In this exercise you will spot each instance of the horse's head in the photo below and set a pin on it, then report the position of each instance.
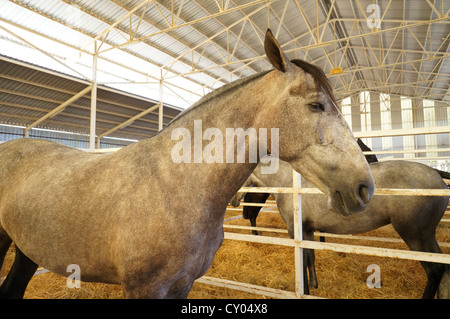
(313, 136)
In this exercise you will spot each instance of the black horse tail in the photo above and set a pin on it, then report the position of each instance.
(245, 212)
(443, 174)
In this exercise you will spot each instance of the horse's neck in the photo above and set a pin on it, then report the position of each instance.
(355, 224)
(199, 180)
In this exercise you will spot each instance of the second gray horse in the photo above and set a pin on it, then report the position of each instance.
(413, 217)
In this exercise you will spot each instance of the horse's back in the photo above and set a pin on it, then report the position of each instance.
(26, 161)
(27, 146)
(15, 151)
(406, 174)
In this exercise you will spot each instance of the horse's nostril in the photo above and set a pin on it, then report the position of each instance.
(364, 193)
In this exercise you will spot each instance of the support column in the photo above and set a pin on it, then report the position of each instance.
(93, 102)
(356, 113)
(298, 235)
(419, 121)
(57, 110)
(397, 123)
(441, 120)
(375, 119)
(161, 106)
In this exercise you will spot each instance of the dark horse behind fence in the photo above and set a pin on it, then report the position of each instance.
(415, 218)
(140, 219)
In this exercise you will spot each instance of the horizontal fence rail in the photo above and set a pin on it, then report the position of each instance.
(378, 191)
(344, 248)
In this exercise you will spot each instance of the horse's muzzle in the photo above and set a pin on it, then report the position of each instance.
(355, 203)
(365, 193)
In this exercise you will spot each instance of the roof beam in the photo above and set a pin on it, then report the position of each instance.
(408, 84)
(427, 52)
(362, 35)
(171, 24)
(42, 51)
(129, 32)
(438, 63)
(58, 89)
(202, 5)
(367, 68)
(58, 109)
(339, 33)
(76, 116)
(113, 25)
(99, 57)
(79, 128)
(175, 27)
(129, 121)
(171, 63)
(401, 27)
(434, 8)
(315, 35)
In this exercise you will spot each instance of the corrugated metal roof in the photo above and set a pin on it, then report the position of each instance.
(200, 45)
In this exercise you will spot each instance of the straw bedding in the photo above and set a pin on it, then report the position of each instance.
(339, 275)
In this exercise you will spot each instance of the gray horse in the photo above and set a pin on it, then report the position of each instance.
(414, 218)
(149, 217)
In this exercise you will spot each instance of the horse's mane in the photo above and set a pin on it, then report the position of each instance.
(316, 72)
(319, 76)
(230, 87)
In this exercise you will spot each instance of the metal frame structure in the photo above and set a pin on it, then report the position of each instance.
(207, 44)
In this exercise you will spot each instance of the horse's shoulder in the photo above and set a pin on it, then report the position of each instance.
(22, 151)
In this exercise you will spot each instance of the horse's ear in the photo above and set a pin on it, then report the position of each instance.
(274, 53)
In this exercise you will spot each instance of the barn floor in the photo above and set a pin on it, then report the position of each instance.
(339, 275)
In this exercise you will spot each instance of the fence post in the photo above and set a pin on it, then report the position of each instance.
(298, 234)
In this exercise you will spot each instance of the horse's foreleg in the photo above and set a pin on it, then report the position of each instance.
(253, 223)
(312, 270)
(434, 271)
(149, 290)
(310, 260)
(18, 277)
(305, 275)
(444, 286)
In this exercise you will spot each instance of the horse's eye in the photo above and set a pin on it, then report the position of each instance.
(316, 107)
